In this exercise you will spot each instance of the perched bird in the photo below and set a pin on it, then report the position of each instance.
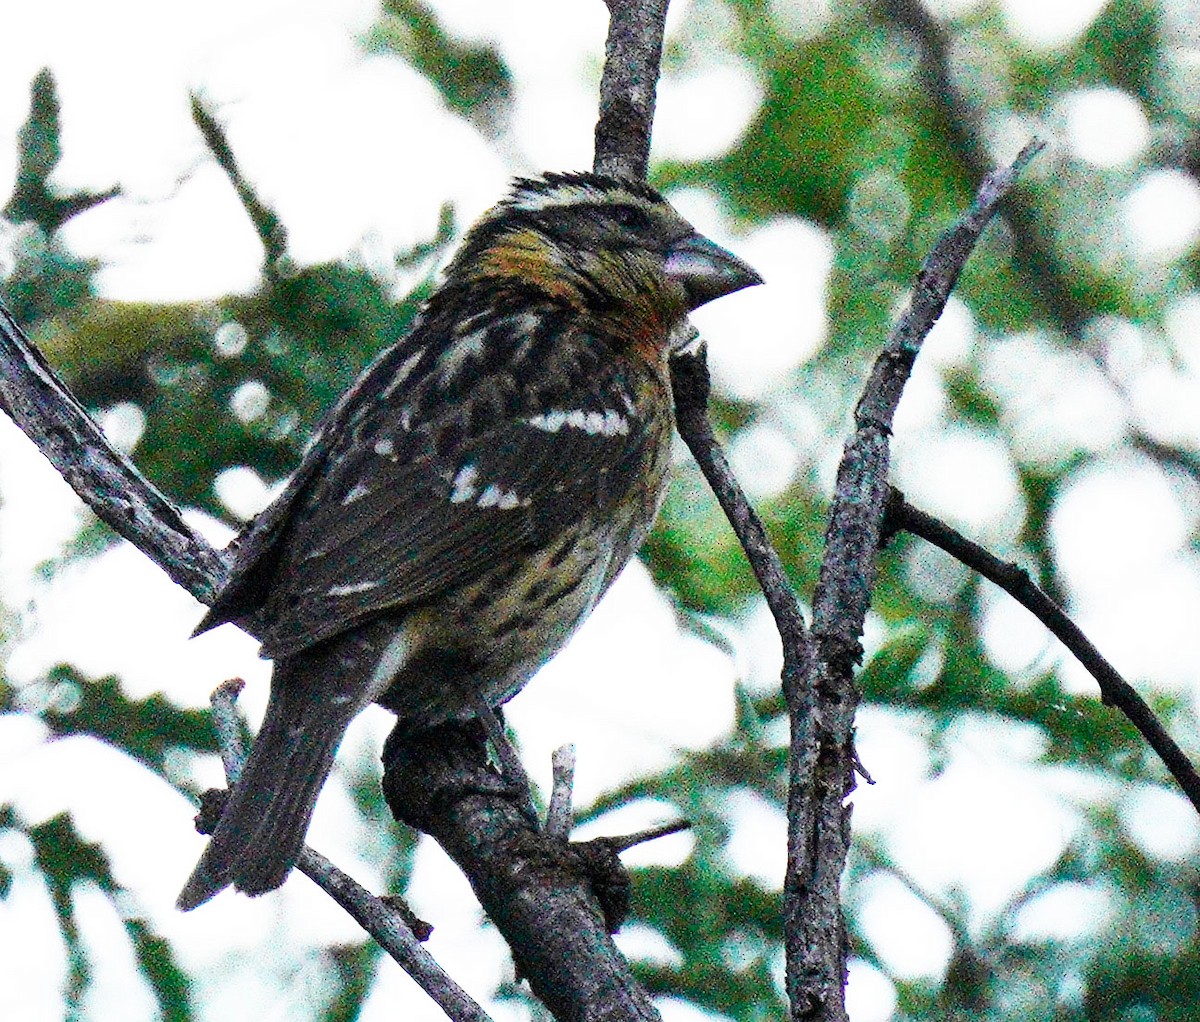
(470, 498)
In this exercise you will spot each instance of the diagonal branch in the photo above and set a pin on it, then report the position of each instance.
(33, 396)
(690, 387)
(1014, 580)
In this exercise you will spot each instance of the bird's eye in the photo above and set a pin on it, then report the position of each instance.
(631, 218)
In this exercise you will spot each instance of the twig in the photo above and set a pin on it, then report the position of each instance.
(821, 755)
(33, 396)
(690, 387)
(558, 814)
(1015, 581)
(640, 837)
(230, 729)
(384, 923)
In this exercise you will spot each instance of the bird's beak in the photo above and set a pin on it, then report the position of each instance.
(705, 270)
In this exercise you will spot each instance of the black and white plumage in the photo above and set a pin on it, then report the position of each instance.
(469, 499)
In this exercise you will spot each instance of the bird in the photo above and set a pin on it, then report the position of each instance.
(463, 506)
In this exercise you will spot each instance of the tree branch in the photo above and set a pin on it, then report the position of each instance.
(822, 742)
(539, 892)
(632, 56)
(33, 396)
(1015, 581)
(1051, 283)
(1048, 278)
(690, 388)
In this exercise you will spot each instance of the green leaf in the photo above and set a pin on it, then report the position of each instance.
(356, 966)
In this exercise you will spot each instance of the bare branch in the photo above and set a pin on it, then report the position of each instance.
(819, 690)
(1048, 279)
(1015, 581)
(390, 930)
(627, 90)
(690, 387)
(33, 396)
(640, 837)
(821, 755)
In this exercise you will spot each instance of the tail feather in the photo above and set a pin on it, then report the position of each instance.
(262, 826)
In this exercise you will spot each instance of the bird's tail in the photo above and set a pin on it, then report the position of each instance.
(262, 826)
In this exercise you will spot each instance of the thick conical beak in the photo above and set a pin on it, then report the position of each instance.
(705, 270)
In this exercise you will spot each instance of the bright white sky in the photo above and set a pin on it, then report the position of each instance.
(308, 115)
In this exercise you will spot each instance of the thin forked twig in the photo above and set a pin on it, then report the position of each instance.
(384, 923)
(1015, 581)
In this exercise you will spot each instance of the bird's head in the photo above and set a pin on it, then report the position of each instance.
(600, 244)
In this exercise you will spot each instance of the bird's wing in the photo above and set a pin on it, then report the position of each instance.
(399, 514)
(391, 533)
(254, 552)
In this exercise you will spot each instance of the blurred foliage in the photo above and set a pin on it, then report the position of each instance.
(148, 730)
(38, 154)
(876, 123)
(473, 80)
(66, 862)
